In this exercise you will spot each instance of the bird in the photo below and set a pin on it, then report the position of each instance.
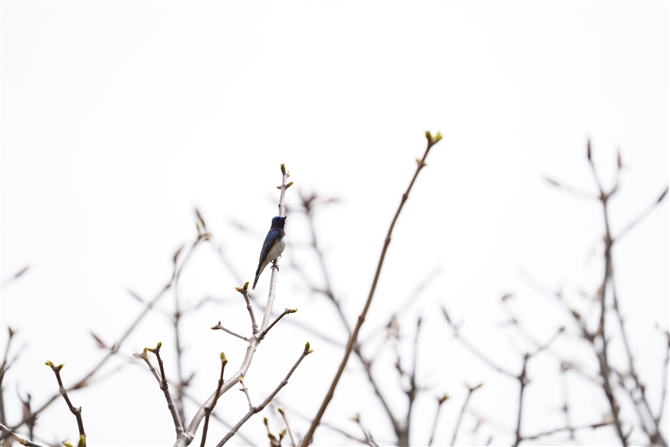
(273, 247)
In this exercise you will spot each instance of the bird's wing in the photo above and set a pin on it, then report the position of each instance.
(268, 243)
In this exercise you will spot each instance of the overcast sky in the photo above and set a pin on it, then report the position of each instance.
(119, 118)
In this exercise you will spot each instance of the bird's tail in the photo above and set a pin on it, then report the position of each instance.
(255, 281)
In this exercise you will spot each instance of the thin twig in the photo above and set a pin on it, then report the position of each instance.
(440, 400)
(179, 429)
(73, 410)
(209, 409)
(369, 440)
(14, 277)
(361, 319)
(187, 436)
(282, 411)
(460, 415)
(664, 380)
(602, 294)
(219, 419)
(6, 364)
(279, 317)
(642, 215)
(307, 203)
(254, 410)
(569, 429)
(245, 390)
(148, 305)
(245, 293)
(473, 349)
(143, 355)
(275, 264)
(570, 189)
(17, 438)
(522, 387)
(219, 327)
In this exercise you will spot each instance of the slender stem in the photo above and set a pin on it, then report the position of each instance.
(185, 438)
(17, 438)
(254, 410)
(221, 328)
(440, 401)
(73, 410)
(460, 415)
(209, 409)
(279, 317)
(361, 319)
(282, 411)
(522, 387)
(86, 379)
(179, 429)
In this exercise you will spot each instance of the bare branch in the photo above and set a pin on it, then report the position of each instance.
(187, 436)
(361, 319)
(148, 305)
(440, 400)
(164, 386)
(282, 411)
(219, 327)
(73, 410)
(244, 290)
(568, 428)
(281, 315)
(460, 415)
(15, 276)
(17, 438)
(473, 349)
(642, 215)
(210, 408)
(254, 410)
(664, 381)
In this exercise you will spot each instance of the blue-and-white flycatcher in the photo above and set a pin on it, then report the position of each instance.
(273, 247)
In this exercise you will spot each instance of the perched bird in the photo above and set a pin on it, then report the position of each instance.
(273, 247)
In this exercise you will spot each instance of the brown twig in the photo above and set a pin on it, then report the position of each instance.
(471, 389)
(6, 364)
(163, 383)
(244, 291)
(254, 410)
(73, 410)
(148, 305)
(361, 319)
(187, 436)
(308, 203)
(440, 400)
(568, 428)
(279, 317)
(282, 411)
(369, 440)
(209, 409)
(17, 438)
(473, 349)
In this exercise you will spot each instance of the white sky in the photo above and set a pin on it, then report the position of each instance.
(119, 118)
